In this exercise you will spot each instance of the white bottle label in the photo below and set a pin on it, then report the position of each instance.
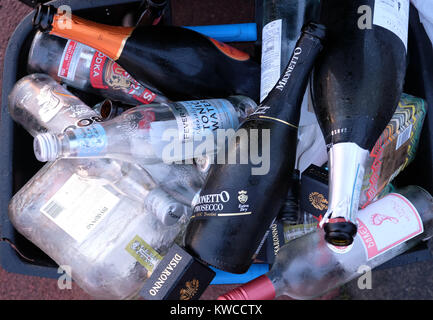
(201, 117)
(271, 57)
(394, 16)
(386, 223)
(69, 62)
(79, 206)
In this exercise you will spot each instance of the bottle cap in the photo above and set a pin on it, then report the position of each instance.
(260, 288)
(43, 17)
(164, 207)
(339, 232)
(203, 163)
(45, 147)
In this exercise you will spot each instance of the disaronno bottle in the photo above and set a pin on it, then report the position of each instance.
(82, 215)
(104, 219)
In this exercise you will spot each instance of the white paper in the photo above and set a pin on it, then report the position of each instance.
(79, 206)
(271, 57)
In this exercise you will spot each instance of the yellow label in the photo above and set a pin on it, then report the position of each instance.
(143, 253)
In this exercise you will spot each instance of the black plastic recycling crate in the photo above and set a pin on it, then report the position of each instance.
(18, 164)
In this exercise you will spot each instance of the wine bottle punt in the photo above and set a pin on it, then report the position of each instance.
(182, 63)
(356, 86)
(237, 205)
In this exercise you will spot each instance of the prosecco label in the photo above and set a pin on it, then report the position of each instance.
(222, 204)
(271, 57)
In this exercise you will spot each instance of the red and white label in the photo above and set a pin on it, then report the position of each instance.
(105, 74)
(386, 223)
(69, 61)
(145, 97)
(97, 71)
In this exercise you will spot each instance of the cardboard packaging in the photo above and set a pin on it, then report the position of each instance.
(178, 276)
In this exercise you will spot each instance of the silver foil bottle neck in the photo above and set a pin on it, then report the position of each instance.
(346, 172)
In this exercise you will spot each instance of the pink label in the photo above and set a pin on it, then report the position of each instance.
(386, 223)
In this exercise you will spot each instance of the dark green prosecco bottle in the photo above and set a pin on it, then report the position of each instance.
(181, 63)
(239, 202)
(356, 87)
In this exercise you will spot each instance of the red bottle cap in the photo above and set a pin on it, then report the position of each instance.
(260, 288)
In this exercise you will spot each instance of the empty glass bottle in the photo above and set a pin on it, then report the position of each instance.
(308, 266)
(89, 221)
(152, 133)
(40, 104)
(84, 68)
(102, 218)
(282, 23)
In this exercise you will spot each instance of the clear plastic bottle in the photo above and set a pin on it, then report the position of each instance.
(151, 133)
(307, 267)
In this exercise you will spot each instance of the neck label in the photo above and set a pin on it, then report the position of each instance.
(394, 16)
